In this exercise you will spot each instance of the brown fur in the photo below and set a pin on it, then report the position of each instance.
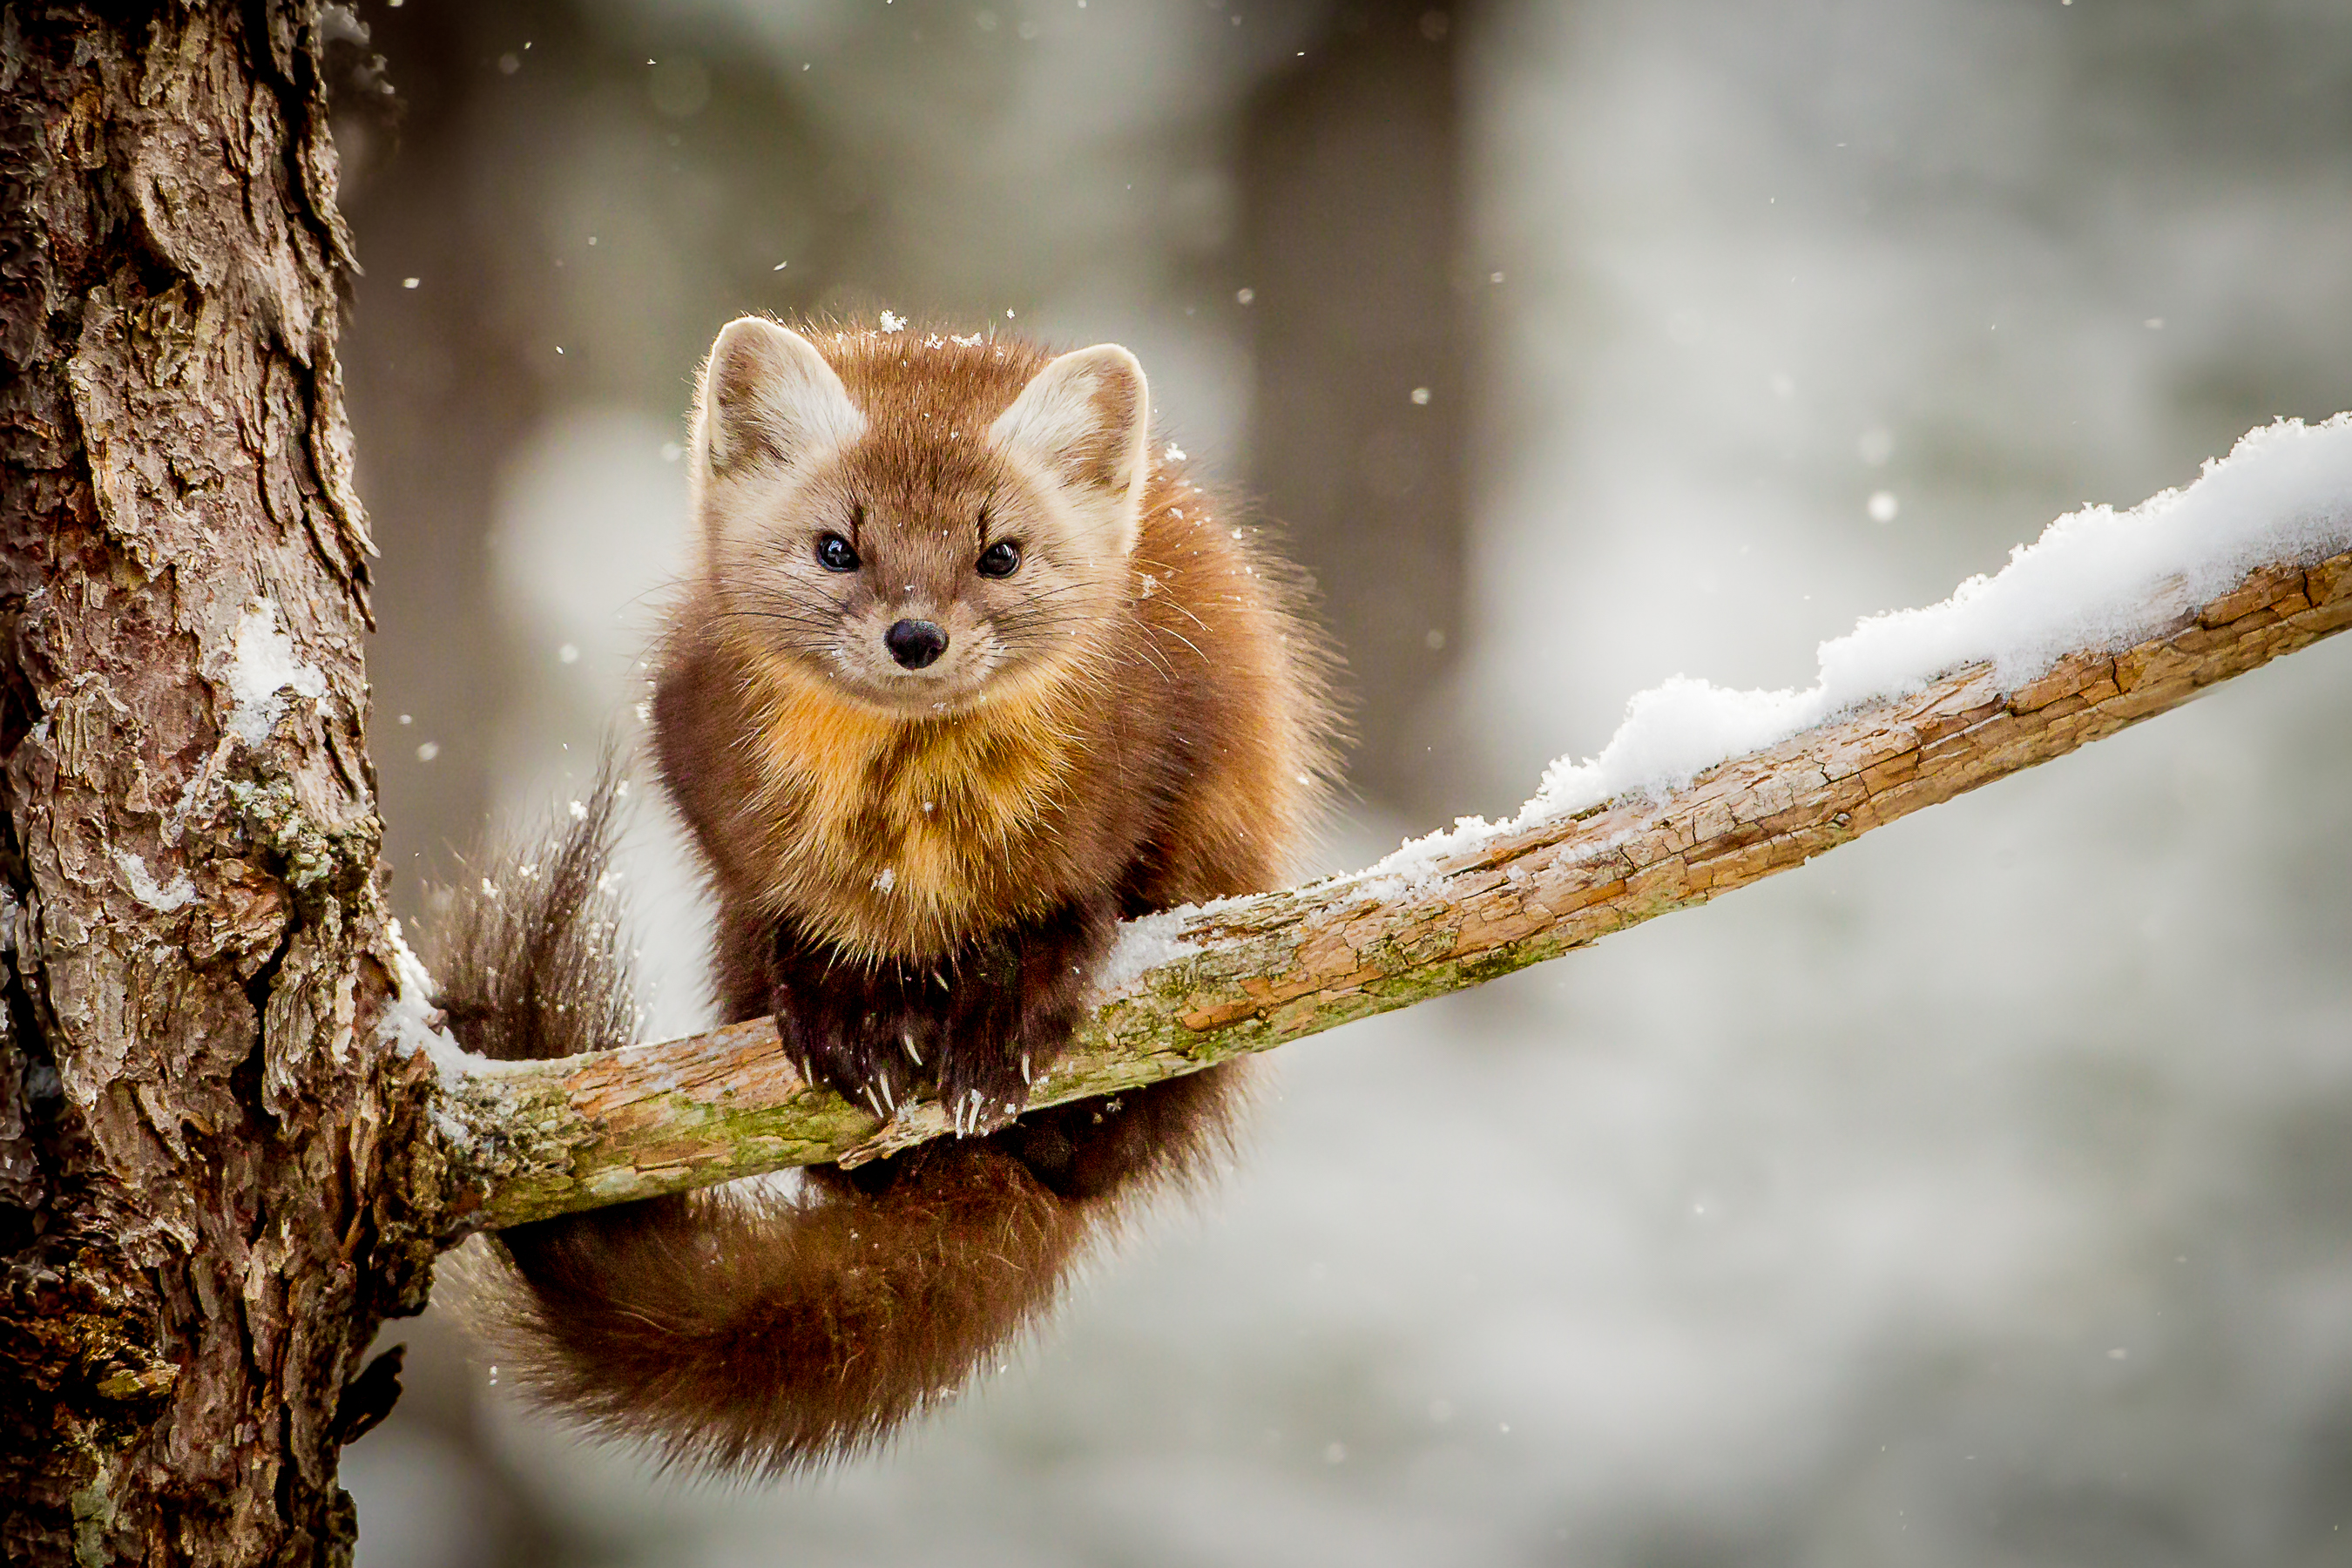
(919, 871)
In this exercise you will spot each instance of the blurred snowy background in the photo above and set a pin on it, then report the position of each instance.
(1981, 1194)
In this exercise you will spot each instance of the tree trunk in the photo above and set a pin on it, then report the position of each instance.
(194, 1238)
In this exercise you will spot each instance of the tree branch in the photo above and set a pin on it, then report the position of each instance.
(1192, 987)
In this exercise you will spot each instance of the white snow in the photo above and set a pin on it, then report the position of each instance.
(409, 1026)
(2097, 580)
(262, 666)
(1144, 945)
(409, 1020)
(147, 890)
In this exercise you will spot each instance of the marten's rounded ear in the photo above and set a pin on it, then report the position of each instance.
(1086, 419)
(767, 395)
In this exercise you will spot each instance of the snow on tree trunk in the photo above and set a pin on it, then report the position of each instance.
(197, 1241)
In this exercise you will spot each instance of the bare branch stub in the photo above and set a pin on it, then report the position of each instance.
(546, 1138)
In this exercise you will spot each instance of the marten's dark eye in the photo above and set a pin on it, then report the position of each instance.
(1000, 559)
(836, 554)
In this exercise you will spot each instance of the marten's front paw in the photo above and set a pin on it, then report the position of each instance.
(980, 1090)
(1017, 999)
(1000, 1039)
(982, 1085)
(858, 1038)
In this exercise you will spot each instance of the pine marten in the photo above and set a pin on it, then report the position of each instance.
(966, 672)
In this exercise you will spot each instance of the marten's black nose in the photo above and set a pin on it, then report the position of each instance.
(915, 643)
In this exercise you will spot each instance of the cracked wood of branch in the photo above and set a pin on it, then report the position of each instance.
(525, 1140)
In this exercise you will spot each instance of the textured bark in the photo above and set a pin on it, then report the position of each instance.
(522, 1140)
(196, 1247)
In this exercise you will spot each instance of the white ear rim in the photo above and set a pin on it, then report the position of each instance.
(1067, 421)
(766, 389)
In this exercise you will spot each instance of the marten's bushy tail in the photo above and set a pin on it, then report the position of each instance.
(760, 1333)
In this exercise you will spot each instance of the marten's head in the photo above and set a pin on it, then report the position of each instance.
(924, 523)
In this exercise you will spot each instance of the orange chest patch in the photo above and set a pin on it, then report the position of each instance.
(900, 828)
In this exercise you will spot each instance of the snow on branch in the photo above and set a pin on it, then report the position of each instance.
(2110, 619)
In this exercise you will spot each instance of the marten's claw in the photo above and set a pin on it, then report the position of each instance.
(979, 1096)
(851, 1043)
